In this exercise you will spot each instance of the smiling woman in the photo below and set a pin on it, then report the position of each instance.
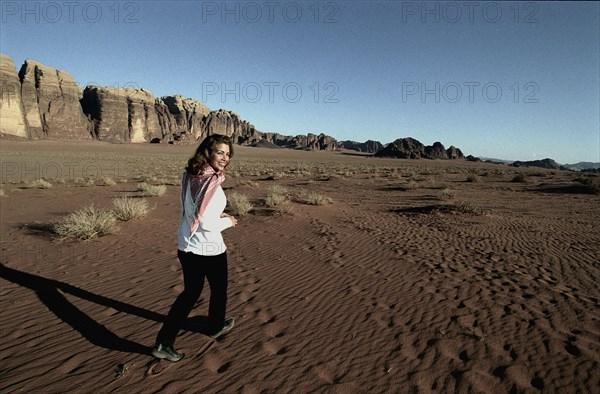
(201, 249)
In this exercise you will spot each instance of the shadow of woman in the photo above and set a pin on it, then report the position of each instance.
(50, 294)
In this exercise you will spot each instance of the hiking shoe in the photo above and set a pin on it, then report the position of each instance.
(168, 352)
(229, 322)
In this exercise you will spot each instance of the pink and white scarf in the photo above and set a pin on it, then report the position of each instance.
(203, 188)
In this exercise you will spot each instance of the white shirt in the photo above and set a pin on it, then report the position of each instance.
(207, 240)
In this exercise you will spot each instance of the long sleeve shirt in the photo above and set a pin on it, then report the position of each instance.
(207, 240)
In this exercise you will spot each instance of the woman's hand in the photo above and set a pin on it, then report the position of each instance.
(233, 220)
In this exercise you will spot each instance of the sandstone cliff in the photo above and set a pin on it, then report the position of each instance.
(187, 114)
(12, 113)
(43, 102)
(51, 102)
(121, 114)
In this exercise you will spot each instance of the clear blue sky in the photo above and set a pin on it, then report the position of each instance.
(518, 81)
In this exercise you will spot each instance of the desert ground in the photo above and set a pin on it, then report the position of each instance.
(347, 274)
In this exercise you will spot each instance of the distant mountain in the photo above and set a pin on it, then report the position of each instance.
(582, 166)
(369, 146)
(410, 148)
(492, 160)
(545, 163)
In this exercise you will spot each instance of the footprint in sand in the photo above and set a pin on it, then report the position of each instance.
(214, 364)
(330, 372)
(156, 367)
(274, 349)
(265, 317)
(246, 296)
(274, 330)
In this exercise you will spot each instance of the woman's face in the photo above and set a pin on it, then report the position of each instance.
(219, 158)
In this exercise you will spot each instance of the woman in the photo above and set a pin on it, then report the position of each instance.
(201, 250)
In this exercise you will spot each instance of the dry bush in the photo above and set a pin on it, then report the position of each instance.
(446, 194)
(472, 178)
(518, 178)
(278, 189)
(39, 184)
(127, 208)
(591, 183)
(467, 207)
(247, 182)
(275, 199)
(108, 181)
(151, 190)
(410, 185)
(239, 204)
(283, 209)
(314, 198)
(86, 223)
(84, 182)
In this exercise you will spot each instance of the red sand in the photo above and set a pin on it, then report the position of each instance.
(377, 292)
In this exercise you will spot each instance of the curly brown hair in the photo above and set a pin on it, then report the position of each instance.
(197, 162)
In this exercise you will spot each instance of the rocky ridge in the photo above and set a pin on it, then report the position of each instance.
(410, 148)
(41, 102)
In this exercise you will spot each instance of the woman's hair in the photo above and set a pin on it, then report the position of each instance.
(202, 156)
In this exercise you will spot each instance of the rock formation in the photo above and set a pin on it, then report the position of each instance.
(436, 151)
(121, 114)
(403, 148)
(545, 163)
(12, 113)
(369, 146)
(43, 102)
(188, 115)
(51, 102)
(454, 153)
(230, 124)
(410, 148)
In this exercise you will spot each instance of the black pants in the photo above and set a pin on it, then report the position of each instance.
(195, 269)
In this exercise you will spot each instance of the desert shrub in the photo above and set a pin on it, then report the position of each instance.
(467, 207)
(273, 175)
(518, 178)
(151, 190)
(472, 178)
(313, 198)
(278, 189)
(84, 182)
(127, 208)
(39, 184)
(108, 181)
(86, 223)
(172, 182)
(410, 185)
(239, 204)
(275, 199)
(283, 209)
(247, 182)
(446, 194)
(592, 184)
